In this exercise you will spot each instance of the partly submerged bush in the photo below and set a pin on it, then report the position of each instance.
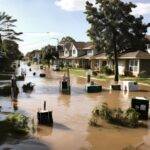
(128, 118)
(29, 64)
(20, 78)
(5, 90)
(106, 70)
(14, 124)
(18, 123)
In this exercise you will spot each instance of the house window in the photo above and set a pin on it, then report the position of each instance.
(133, 65)
(74, 51)
(104, 63)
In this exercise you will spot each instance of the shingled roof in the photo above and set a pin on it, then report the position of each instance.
(135, 55)
(102, 56)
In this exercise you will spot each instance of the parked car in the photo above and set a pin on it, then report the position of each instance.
(56, 68)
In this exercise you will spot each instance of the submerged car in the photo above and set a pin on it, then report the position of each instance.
(56, 68)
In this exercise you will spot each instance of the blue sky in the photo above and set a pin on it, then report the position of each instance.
(58, 17)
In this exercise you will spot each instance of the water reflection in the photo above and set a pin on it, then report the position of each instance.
(64, 99)
(44, 131)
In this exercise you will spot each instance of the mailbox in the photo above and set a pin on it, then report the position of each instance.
(141, 105)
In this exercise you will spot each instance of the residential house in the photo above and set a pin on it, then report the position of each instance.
(75, 53)
(34, 56)
(134, 62)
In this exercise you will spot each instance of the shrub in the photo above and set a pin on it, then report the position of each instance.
(5, 90)
(18, 123)
(5, 77)
(94, 73)
(20, 78)
(128, 73)
(15, 124)
(128, 118)
(143, 74)
(106, 70)
(29, 64)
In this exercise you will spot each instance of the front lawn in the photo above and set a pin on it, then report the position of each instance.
(82, 73)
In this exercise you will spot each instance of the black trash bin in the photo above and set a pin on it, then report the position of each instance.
(45, 118)
(141, 105)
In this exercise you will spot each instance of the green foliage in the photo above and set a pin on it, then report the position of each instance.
(106, 70)
(20, 78)
(18, 123)
(128, 73)
(128, 118)
(67, 39)
(9, 50)
(7, 24)
(29, 64)
(5, 77)
(5, 90)
(14, 124)
(143, 74)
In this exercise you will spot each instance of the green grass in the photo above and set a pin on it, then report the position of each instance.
(143, 80)
(78, 72)
(82, 73)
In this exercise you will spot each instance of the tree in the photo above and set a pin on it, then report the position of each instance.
(9, 50)
(7, 25)
(67, 39)
(49, 53)
(114, 29)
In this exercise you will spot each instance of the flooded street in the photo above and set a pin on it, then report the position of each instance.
(71, 114)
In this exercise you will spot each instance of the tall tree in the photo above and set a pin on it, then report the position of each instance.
(7, 25)
(49, 53)
(114, 29)
(8, 36)
(67, 39)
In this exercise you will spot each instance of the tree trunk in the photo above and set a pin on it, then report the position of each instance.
(115, 58)
(116, 65)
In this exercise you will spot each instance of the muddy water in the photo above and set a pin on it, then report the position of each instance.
(71, 114)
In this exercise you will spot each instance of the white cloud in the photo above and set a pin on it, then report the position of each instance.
(79, 5)
(142, 9)
(72, 5)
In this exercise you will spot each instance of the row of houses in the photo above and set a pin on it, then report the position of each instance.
(84, 55)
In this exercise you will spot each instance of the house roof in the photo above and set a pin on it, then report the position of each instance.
(100, 56)
(135, 55)
(84, 57)
(89, 46)
(79, 45)
(83, 45)
(71, 57)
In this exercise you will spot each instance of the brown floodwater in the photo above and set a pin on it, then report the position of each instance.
(71, 114)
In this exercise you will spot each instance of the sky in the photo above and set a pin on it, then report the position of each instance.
(47, 21)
